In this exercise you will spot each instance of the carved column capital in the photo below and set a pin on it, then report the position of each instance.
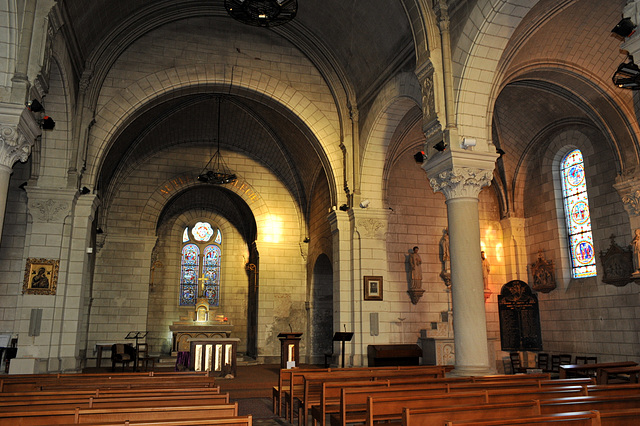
(18, 132)
(50, 206)
(461, 182)
(628, 188)
(460, 173)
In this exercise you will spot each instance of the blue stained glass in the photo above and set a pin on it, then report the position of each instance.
(202, 231)
(211, 271)
(576, 209)
(189, 274)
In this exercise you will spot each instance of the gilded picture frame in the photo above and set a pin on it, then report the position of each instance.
(40, 276)
(372, 288)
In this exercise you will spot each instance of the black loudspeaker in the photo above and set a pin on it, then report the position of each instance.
(48, 123)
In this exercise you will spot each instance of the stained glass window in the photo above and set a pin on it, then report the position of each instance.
(200, 262)
(189, 274)
(211, 271)
(576, 210)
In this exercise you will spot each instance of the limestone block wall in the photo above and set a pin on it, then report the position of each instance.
(123, 265)
(164, 306)
(581, 316)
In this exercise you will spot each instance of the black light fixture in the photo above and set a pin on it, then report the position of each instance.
(22, 186)
(440, 146)
(99, 231)
(84, 190)
(419, 157)
(627, 76)
(47, 123)
(624, 28)
(262, 13)
(344, 208)
(500, 152)
(220, 174)
(35, 106)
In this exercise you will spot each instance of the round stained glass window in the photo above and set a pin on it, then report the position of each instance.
(202, 231)
(580, 213)
(575, 175)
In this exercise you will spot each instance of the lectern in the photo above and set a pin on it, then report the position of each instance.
(342, 336)
(289, 348)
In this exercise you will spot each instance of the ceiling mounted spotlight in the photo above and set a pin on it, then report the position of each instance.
(344, 207)
(84, 190)
(47, 123)
(99, 231)
(500, 152)
(419, 157)
(440, 146)
(627, 76)
(262, 13)
(35, 106)
(624, 28)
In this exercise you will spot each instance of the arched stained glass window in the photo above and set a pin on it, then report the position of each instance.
(211, 271)
(200, 261)
(576, 210)
(189, 274)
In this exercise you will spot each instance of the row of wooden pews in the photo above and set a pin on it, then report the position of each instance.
(160, 399)
(369, 396)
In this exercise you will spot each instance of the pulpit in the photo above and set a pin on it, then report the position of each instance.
(289, 348)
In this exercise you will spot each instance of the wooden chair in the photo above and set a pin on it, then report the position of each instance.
(543, 361)
(516, 364)
(143, 357)
(121, 353)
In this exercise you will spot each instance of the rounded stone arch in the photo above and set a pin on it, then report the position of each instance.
(394, 101)
(171, 188)
(123, 107)
(477, 71)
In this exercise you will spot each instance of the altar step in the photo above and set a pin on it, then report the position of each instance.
(170, 361)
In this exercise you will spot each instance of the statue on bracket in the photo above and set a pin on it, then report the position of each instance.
(543, 274)
(415, 262)
(446, 259)
(620, 264)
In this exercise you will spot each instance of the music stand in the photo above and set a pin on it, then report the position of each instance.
(342, 336)
(136, 335)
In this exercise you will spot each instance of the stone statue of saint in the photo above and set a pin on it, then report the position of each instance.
(416, 269)
(444, 248)
(635, 243)
(486, 268)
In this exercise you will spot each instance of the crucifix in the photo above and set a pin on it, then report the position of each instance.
(201, 287)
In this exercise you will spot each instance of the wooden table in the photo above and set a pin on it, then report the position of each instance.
(585, 368)
(99, 348)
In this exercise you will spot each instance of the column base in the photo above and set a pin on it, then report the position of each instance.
(469, 370)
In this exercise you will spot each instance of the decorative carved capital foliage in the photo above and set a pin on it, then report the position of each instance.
(371, 227)
(49, 210)
(632, 202)
(14, 146)
(460, 182)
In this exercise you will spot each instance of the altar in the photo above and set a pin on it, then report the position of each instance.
(184, 331)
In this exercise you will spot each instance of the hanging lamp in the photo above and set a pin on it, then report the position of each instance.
(219, 173)
(262, 13)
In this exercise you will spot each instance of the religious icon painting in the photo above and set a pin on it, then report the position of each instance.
(372, 288)
(41, 276)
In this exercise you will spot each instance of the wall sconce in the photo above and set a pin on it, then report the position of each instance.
(344, 208)
(84, 190)
(624, 28)
(440, 146)
(419, 157)
(47, 123)
(35, 106)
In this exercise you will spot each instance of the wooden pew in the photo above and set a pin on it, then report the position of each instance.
(100, 393)
(440, 415)
(94, 416)
(584, 418)
(222, 421)
(113, 402)
(605, 374)
(585, 403)
(619, 417)
(297, 381)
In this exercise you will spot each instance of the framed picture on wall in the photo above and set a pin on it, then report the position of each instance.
(372, 288)
(40, 276)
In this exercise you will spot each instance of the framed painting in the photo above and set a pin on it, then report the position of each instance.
(372, 288)
(40, 276)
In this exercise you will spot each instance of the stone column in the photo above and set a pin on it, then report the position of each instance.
(18, 132)
(460, 175)
(628, 188)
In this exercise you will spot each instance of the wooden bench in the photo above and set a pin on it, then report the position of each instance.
(93, 416)
(584, 418)
(221, 421)
(584, 403)
(618, 417)
(113, 402)
(440, 415)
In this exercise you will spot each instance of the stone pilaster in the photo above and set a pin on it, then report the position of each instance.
(460, 175)
(628, 187)
(18, 132)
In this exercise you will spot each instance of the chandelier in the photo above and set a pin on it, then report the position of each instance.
(219, 173)
(262, 13)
